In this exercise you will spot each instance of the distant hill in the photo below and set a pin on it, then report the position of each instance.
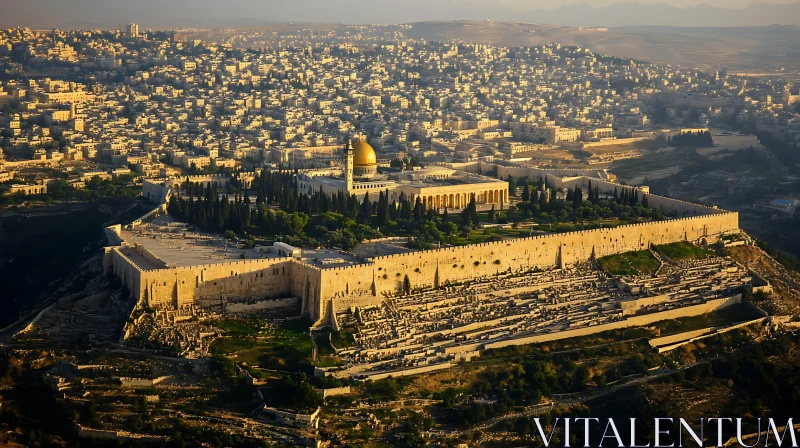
(698, 35)
(233, 13)
(636, 14)
(751, 48)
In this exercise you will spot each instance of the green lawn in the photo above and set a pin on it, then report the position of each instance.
(344, 338)
(683, 250)
(251, 342)
(630, 263)
(329, 361)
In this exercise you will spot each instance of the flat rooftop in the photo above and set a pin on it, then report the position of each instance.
(458, 180)
(173, 243)
(327, 258)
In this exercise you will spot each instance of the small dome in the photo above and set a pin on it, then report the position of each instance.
(363, 154)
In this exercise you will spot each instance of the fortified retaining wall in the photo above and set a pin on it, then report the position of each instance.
(214, 284)
(366, 284)
(322, 291)
(157, 192)
(113, 235)
(189, 285)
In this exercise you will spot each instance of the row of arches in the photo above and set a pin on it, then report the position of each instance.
(461, 200)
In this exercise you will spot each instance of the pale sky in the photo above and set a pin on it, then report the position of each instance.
(210, 13)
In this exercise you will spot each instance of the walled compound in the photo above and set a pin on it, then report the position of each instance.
(167, 266)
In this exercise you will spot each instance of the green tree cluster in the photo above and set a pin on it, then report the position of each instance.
(692, 140)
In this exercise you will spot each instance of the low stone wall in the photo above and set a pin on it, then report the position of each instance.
(619, 141)
(630, 307)
(682, 339)
(407, 372)
(292, 419)
(133, 383)
(333, 391)
(261, 305)
(149, 216)
(36, 319)
(85, 432)
(633, 321)
(686, 335)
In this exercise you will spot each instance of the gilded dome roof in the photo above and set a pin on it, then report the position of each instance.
(363, 154)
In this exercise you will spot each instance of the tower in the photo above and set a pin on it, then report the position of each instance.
(348, 166)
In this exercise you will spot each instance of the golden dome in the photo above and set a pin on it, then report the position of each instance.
(363, 154)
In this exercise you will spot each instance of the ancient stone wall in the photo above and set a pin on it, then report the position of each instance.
(149, 216)
(117, 263)
(157, 192)
(366, 284)
(305, 283)
(113, 235)
(190, 285)
(215, 284)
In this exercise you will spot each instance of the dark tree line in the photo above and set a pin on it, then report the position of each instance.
(692, 140)
(309, 220)
(539, 202)
(342, 221)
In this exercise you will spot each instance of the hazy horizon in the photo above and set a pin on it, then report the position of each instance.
(207, 13)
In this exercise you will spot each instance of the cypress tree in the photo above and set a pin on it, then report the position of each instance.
(365, 211)
(418, 209)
